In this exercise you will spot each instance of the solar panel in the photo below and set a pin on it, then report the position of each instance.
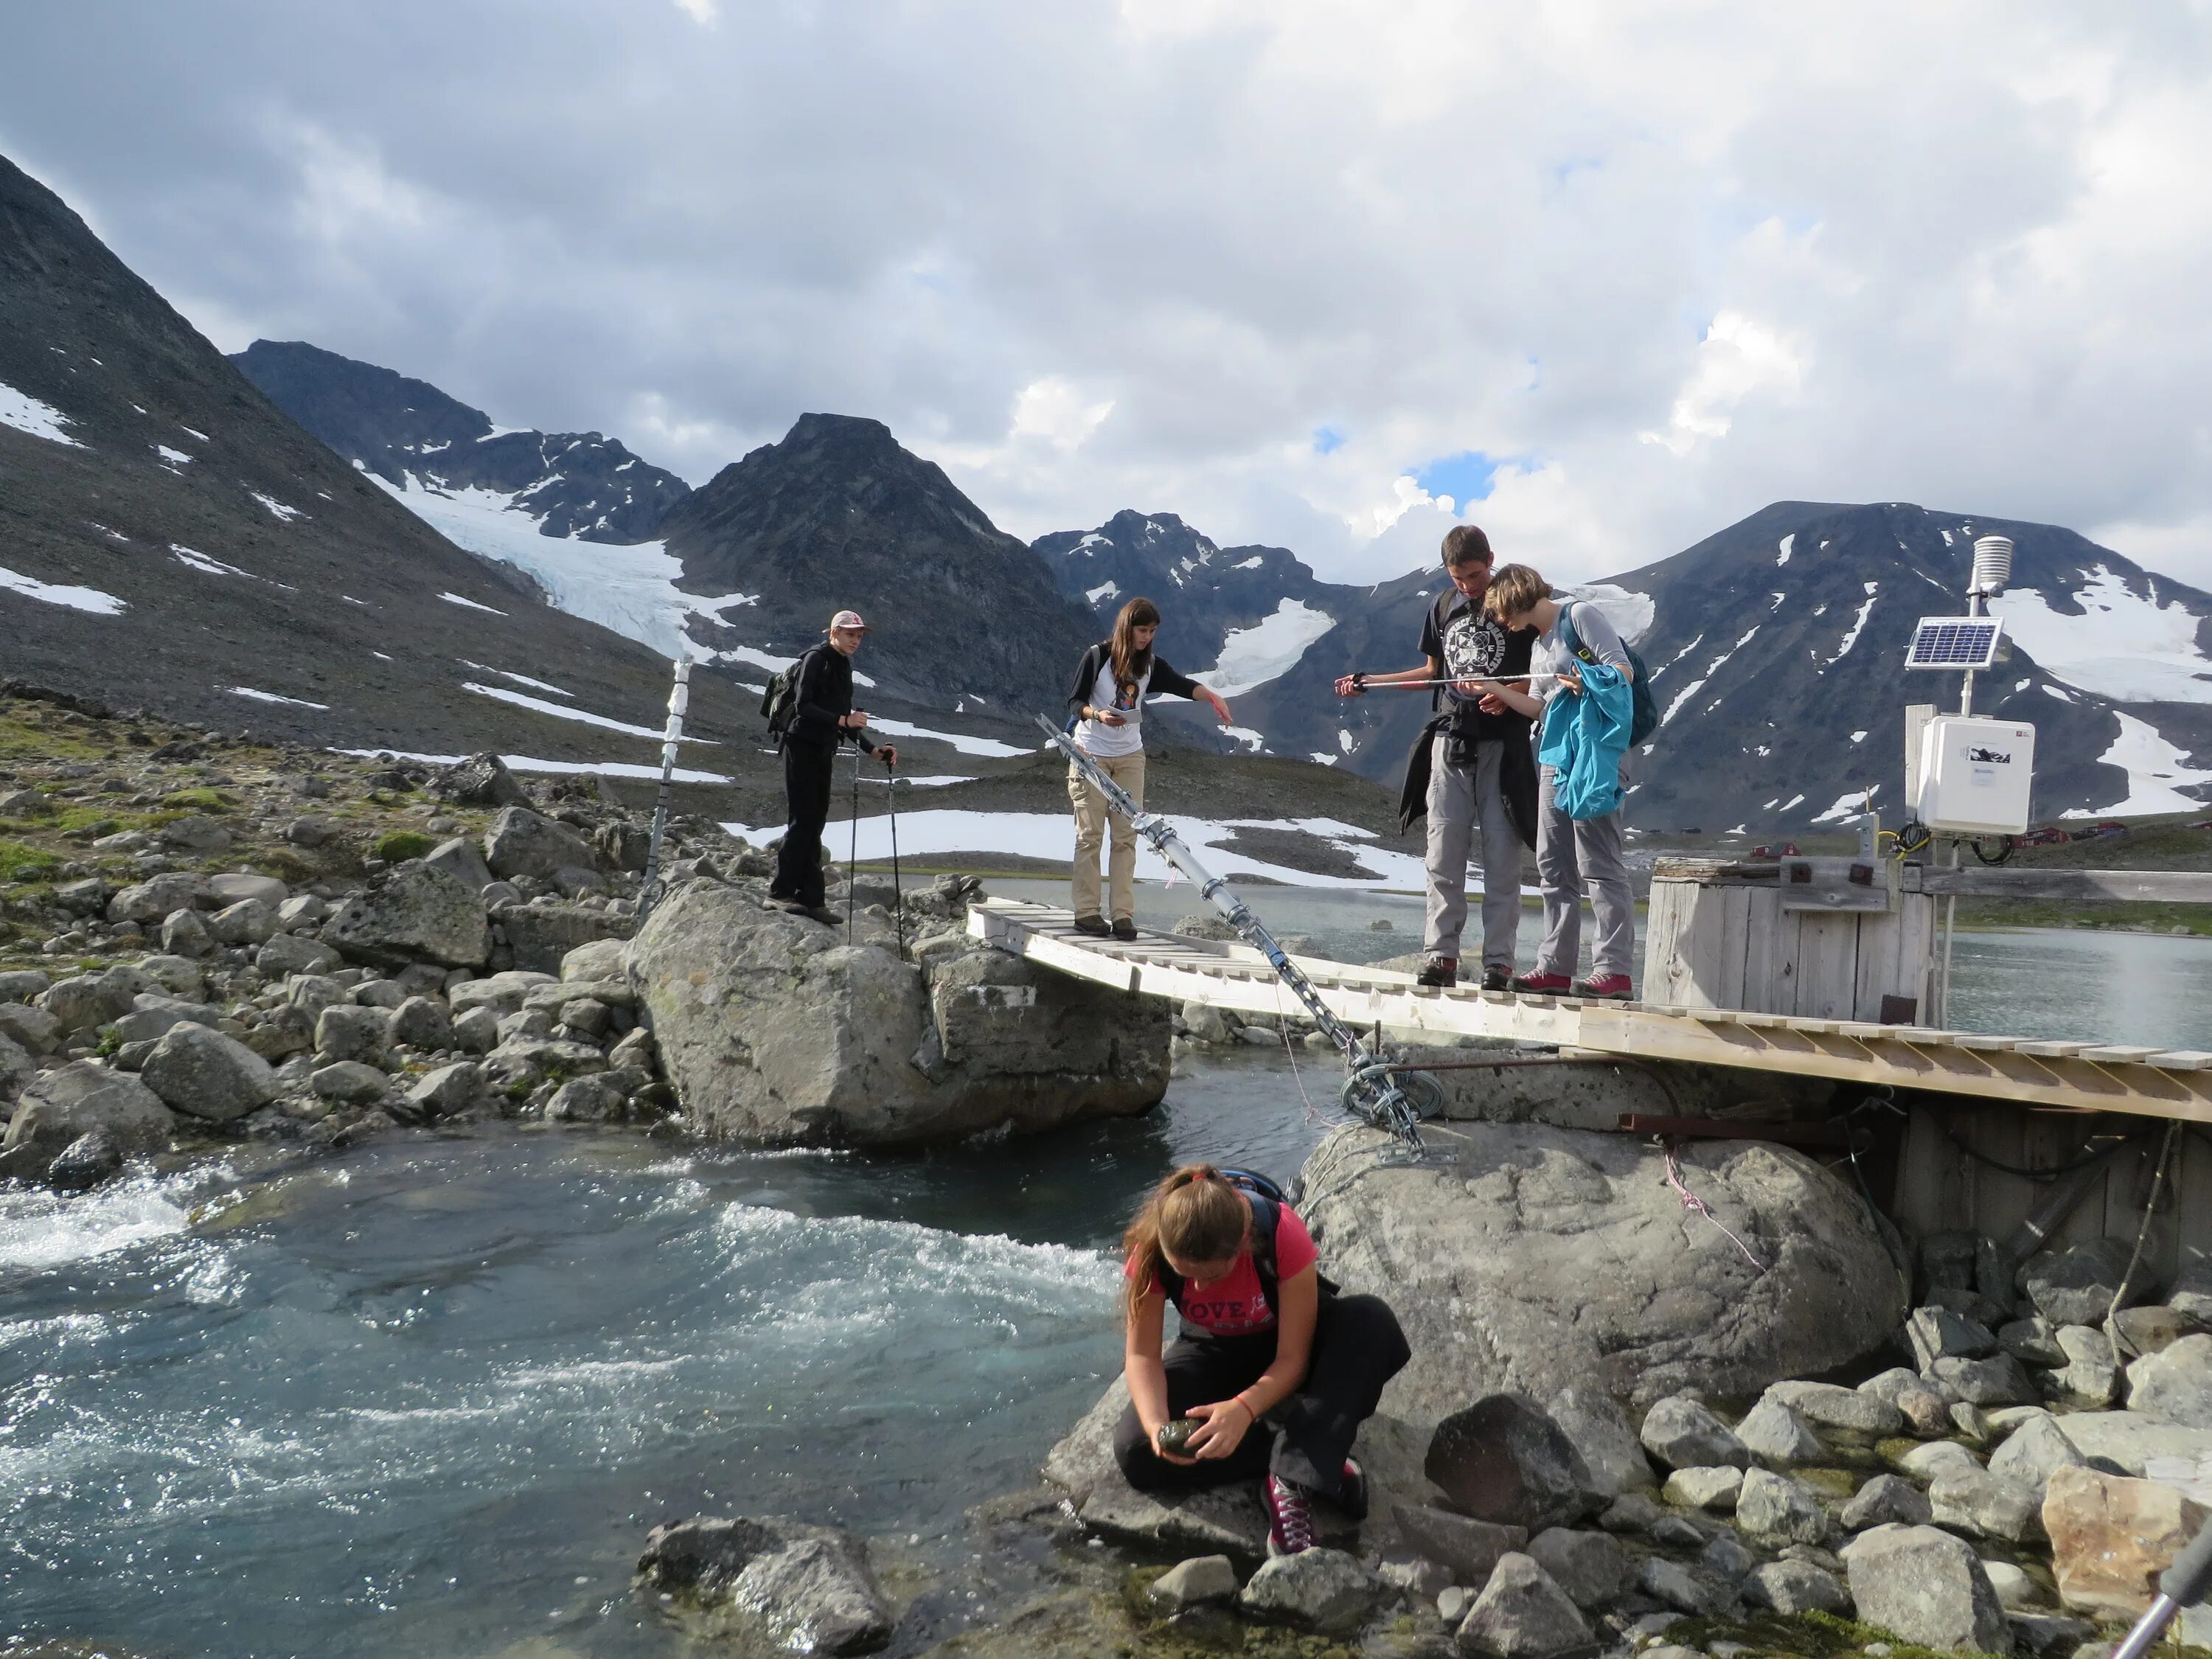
(1954, 642)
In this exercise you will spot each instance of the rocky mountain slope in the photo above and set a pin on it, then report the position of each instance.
(413, 435)
(169, 539)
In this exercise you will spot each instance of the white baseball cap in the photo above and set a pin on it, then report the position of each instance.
(848, 619)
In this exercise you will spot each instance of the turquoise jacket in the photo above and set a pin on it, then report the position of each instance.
(1584, 738)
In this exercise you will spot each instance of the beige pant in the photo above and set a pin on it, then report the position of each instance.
(1092, 813)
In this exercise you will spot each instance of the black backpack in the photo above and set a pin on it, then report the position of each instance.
(1644, 708)
(780, 700)
(1266, 1198)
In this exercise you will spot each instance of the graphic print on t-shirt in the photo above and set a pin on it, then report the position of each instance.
(1474, 644)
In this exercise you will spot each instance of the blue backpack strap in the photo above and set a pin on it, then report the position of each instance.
(1264, 1214)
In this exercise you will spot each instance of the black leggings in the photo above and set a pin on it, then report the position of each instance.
(1356, 1348)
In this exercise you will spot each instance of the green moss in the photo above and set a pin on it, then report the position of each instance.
(1807, 1636)
(396, 845)
(198, 800)
(19, 860)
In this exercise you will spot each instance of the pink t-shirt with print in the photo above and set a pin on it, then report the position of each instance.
(1233, 1304)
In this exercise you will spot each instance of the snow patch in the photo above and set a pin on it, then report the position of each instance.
(1103, 591)
(1849, 804)
(270, 696)
(520, 679)
(1344, 738)
(90, 600)
(1250, 657)
(2157, 772)
(1858, 626)
(1252, 563)
(203, 563)
(1697, 685)
(1323, 756)
(609, 768)
(471, 605)
(2125, 645)
(1782, 557)
(960, 740)
(173, 458)
(26, 413)
(1858, 737)
(283, 515)
(582, 715)
(1252, 740)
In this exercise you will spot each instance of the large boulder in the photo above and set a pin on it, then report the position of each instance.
(1526, 1258)
(478, 780)
(2174, 1385)
(1318, 1589)
(540, 935)
(774, 1030)
(810, 1587)
(1504, 1460)
(85, 1002)
(2075, 1285)
(415, 914)
(153, 900)
(1928, 1587)
(75, 1100)
(1603, 1436)
(2111, 1536)
(16, 1068)
(1522, 1614)
(522, 843)
(204, 1074)
(459, 858)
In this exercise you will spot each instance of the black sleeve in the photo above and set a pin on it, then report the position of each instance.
(813, 718)
(1086, 678)
(1433, 639)
(1519, 642)
(1164, 678)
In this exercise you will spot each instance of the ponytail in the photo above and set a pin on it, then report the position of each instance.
(1196, 1213)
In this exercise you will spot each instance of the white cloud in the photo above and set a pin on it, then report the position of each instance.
(705, 13)
(1053, 410)
(1736, 358)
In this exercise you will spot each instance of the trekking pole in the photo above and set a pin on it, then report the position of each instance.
(898, 896)
(2181, 1585)
(679, 702)
(853, 855)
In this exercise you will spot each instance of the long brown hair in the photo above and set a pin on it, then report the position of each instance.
(1129, 663)
(1196, 1214)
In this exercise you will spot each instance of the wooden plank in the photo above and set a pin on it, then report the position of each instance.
(1765, 938)
(2182, 1060)
(1828, 965)
(2158, 886)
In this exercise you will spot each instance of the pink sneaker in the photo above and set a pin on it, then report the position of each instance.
(1547, 985)
(1290, 1518)
(1610, 988)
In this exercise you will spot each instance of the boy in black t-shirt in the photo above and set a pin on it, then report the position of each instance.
(1480, 765)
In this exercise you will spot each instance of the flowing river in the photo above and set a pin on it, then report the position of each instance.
(428, 1396)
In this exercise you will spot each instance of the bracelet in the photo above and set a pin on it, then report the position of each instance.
(1250, 1413)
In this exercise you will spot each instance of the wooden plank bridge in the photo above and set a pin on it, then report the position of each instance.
(2078, 1076)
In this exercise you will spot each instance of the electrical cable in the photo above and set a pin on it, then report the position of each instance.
(2142, 1237)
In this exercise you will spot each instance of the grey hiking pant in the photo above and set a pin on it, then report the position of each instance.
(1461, 799)
(1573, 857)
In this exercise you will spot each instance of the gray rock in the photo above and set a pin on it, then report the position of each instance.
(1938, 1333)
(1970, 1422)
(86, 1162)
(1987, 1505)
(152, 1016)
(415, 915)
(1929, 1588)
(1998, 1381)
(600, 1099)
(420, 1023)
(176, 975)
(17, 1069)
(1453, 1603)
(1885, 1499)
(1419, 1577)
(773, 1032)
(2032, 1341)
(1522, 1614)
(600, 959)
(1725, 1557)
(1320, 1590)
(587, 1018)
(346, 1031)
(1849, 1411)
(250, 922)
(1468, 1548)
(479, 780)
(154, 899)
(85, 1002)
(447, 1092)
(1936, 1459)
(635, 1052)
(2033, 1452)
(281, 1032)
(2089, 1376)
(22, 984)
(204, 1074)
(86, 897)
(185, 934)
(1771, 1432)
(2049, 1635)
(1684, 1588)
(1504, 1460)
(459, 858)
(302, 910)
(1604, 1439)
(385, 994)
(610, 992)
(313, 993)
(195, 835)
(2075, 1285)
(2015, 1589)
(2147, 1330)
(539, 935)
(1926, 1413)
(1889, 1384)
(522, 843)
(34, 1029)
(477, 1031)
(349, 1083)
(501, 993)
(1673, 1532)
(1193, 1583)
(1715, 1488)
(1790, 1588)
(289, 953)
(230, 888)
(309, 831)
(1778, 1510)
(810, 1587)
(1634, 1511)
(2174, 1385)
(1590, 1566)
(1683, 1434)
(59, 1106)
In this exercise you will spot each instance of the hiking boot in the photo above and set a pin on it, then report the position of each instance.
(1439, 970)
(1124, 929)
(1290, 1517)
(824, 915)
(1606, 987)
(1543, 985)
(1495, 978)
(1094, 924)
(790, 907)
(1352, 1495)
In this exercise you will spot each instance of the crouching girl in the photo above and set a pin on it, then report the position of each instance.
(1277, 1369)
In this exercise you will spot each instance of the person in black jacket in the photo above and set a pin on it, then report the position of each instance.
(824, 719)
(1107, 700)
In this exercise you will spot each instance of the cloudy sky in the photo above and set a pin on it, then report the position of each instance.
(1604, 275)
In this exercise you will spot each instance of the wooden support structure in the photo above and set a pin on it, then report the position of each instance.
(2076, 1077)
